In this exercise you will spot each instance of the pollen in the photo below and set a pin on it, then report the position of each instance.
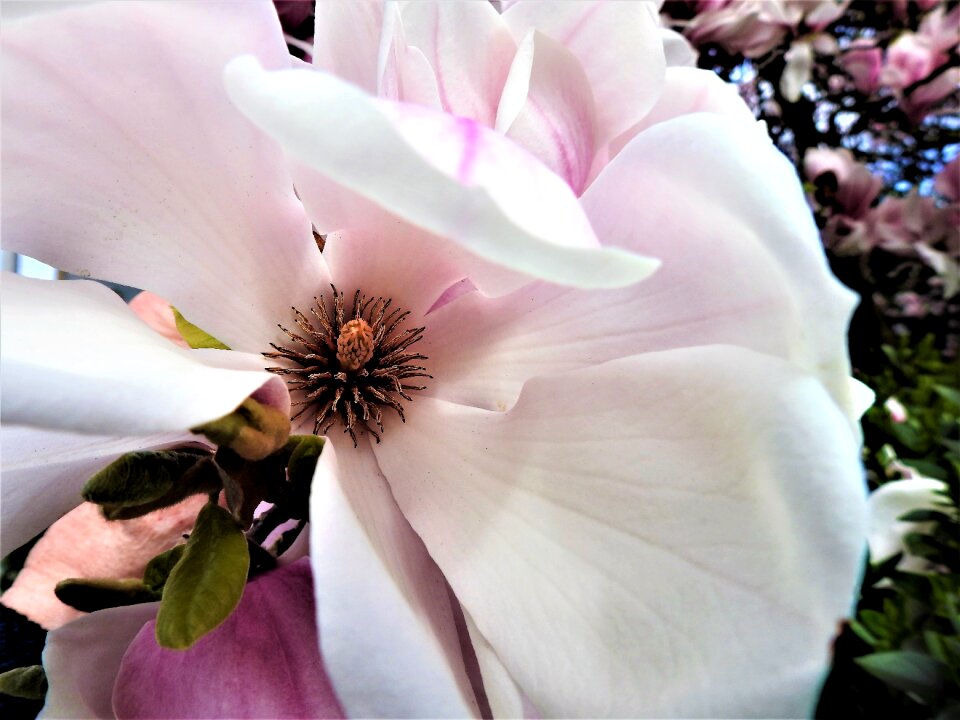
(355, 344)
(348, 364)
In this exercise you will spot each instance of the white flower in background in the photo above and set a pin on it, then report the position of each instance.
(645, 496)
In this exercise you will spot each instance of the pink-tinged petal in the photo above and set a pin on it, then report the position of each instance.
(617, 43)
(705, 187)
(450, 176)
(742, 265)
(386, 625)
(674, 534)
(100, 370)
(263, 662)
(44, 471)
(404, 73)
(124, 160)
(686, 91)
(547, 108)
(677, 50)
(82, 659)
(82, 544)
(157, 313)
(396, 261)
(469, 48)
(346, 40)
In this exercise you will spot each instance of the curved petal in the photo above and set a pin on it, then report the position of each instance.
(618, 45)
(44, 471)
(82, 659)
(888, 503)
(448, 175)
(469, 48)
(346, 40)
(547, 108)
(263, 662)
(404, 73)
(674, 534)
(505, 698)
(124, 160)
(386, 626)
(742, 265)
(743, 186)
(82, 544)
(691, 90)
(75, 358)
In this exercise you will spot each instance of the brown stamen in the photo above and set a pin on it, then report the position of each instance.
(350, 362)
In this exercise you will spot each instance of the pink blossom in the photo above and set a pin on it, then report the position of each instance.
(863, 61)
(910, 59)
(856, 186)
(610, 482)
(947, 182)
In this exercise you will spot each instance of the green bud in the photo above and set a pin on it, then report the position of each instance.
(253, 430)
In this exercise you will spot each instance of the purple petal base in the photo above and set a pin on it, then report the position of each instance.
(263, 662)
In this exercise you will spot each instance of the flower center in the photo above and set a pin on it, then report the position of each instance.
(349, 365)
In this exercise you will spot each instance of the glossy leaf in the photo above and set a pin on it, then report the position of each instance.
(913, 672)
(207, 584)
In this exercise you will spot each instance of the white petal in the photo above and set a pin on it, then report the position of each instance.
(450, 176)
(75, 358)
(82, 660)
(124, 160)
(505, 698)
(388, 635)
(892, 500)
(742, 265)
(675, 534)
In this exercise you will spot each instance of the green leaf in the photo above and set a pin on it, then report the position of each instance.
(92, 594)
(159, 568)
(300, 468)
(207, 584)
(910, 671)
(138, 477)
(24, 682)
(200, 477)
(253, 430)
(195, 337)
(919, 516)
(949, 394)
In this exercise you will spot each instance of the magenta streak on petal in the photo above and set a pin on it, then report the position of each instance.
(471, 136)
(460, 287)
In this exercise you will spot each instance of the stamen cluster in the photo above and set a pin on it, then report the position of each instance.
(352, 363)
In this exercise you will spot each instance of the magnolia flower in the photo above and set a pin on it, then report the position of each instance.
(629, 484)
(863, 61)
